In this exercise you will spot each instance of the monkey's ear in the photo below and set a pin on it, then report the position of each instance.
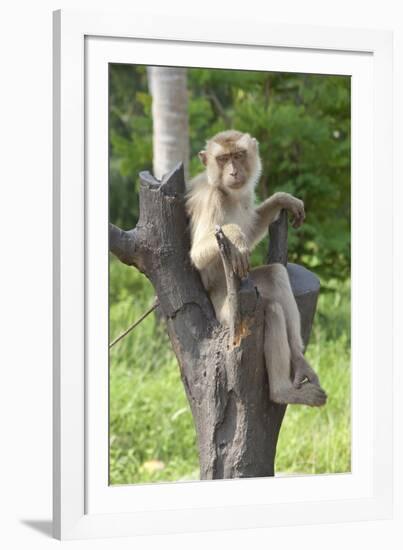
(203, 157)
(255, 143)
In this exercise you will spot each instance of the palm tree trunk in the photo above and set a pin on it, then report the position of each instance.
(168, 87)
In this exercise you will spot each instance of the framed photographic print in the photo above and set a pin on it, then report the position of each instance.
(221, 310)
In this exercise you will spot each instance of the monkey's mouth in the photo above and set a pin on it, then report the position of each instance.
(235, 183)
(235, 180)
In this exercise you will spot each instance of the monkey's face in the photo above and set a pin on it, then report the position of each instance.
(232, 160)
(234, 168)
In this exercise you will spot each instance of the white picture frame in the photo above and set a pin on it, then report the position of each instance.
(84, 505)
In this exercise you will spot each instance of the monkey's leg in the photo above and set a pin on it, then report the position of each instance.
(278, 363)
(280, 285)
(273, 284)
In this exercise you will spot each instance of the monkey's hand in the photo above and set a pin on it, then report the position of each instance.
(293, 205)
(240, 260)
(239, 249)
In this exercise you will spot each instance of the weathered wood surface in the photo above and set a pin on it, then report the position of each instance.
(222, 369)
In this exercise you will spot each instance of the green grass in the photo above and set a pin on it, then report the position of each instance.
(152, 436)
(317, 441)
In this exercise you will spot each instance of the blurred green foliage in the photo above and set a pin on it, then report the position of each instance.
(302, 123)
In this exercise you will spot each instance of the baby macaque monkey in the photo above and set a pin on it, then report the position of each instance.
(224, 194)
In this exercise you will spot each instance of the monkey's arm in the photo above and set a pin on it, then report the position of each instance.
(268, 211)
(205, 250)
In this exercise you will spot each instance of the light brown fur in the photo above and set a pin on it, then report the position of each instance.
(224, 195)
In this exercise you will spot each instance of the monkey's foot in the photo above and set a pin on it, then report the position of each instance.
(302, 372)
(307, 394)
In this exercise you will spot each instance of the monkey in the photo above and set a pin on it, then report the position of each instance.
(224, 195)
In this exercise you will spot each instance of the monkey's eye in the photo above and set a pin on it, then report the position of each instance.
(239, 155)
(222, 159)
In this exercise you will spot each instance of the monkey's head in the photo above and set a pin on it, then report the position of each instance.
(232, 161)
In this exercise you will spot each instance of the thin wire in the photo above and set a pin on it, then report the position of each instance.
(134, 325)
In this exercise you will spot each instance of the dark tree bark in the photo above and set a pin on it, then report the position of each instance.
(222, 369)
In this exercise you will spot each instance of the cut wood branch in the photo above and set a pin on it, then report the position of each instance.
(278, 240)
(233, 285)
(123, 244)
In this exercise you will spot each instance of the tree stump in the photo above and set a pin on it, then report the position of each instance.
(222, 368)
